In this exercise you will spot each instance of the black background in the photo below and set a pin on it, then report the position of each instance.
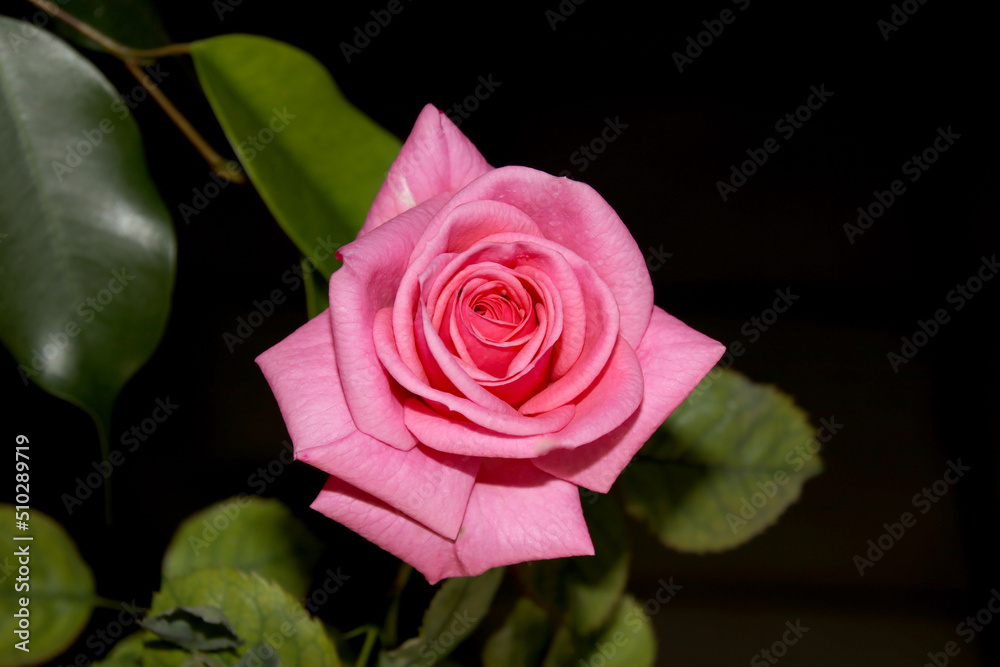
(782, 230)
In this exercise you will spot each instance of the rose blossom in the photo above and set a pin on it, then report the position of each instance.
(491, 344)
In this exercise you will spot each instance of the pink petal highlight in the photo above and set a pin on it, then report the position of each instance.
(435, 159)
(674, 359)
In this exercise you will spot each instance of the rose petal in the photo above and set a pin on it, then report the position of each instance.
(435, 159)
(573, 215)
(431, 554)
(452, 434)
(498, 417)
(430, 486)
(613, 398)
(516, 514)
(674, 359)
(367, 282)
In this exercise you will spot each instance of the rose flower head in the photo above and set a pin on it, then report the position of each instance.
(491, 345)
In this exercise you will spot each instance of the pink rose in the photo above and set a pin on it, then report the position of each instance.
(491, 343)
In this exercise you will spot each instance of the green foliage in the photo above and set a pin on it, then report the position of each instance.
(627, 640)
(61, 594)
(585, 589)
(456, 610)
(245, 533)
(724, 466)
(200, 628)
(134, 23)
(315, 159)
(87, 254)
(522, 640)
(262, 613)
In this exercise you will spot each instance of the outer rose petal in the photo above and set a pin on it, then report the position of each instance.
(674, 359)
(436, 158)
(430, 486)
(398, 534)
(517, 513)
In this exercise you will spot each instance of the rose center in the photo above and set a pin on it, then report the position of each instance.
(498, 308)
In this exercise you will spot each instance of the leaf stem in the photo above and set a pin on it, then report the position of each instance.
(390, 630)
(370, 636)
(133, 58)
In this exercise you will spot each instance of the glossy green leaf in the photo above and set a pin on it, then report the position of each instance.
(723, 467)
(522, 640)
(627, 640)
(126, 653)
(246, 533)
(585, 589)
(61, 594)
(315, 159)
(263, 615)
(134, 23)
(457, 609)
(200, 628)
(87, 261)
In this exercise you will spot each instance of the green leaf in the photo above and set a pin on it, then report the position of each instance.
(200, 628)
(522, 639)
(87, 263)
(61, 595)
(262, 613)
(723, 467)
(246, 533)
(315, 159)
(317, 291)
(585, 589)
(134, 23)
(626, 641)
(126, 653)
(457, 609)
